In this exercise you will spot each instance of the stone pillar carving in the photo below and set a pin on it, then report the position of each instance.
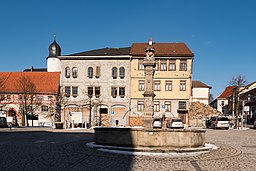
(149, 65)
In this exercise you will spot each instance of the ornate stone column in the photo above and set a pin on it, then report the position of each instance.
(149, 64)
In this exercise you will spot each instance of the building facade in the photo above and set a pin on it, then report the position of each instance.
(96, 87)
(200, 92)
(29, 98)
(172, 79)
(105, 86)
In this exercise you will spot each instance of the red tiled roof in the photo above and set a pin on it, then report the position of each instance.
(162, 49)
(45, 82)
(227, 92)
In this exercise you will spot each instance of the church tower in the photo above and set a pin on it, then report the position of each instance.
(53, 62)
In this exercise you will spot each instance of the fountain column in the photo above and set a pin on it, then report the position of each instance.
(149, 65)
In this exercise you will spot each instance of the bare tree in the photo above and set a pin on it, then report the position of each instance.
(27, 92)
(238, 82)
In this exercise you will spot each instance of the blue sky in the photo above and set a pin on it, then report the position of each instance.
(221, 33)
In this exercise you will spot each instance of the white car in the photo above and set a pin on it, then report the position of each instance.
(157, 123)
(220, 122)
(175, 123)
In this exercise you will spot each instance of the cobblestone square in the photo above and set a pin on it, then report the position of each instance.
(51, 149)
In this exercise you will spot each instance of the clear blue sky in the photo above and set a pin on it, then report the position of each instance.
(221, 33)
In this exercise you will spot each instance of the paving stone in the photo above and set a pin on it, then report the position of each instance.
(51, 149)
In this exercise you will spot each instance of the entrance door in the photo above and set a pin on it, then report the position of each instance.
(12, 113)
(104, 121)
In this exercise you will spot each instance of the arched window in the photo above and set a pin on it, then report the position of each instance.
(67, 72)
(114, 72)
(121, 72)
(74, 72)
(90, 72)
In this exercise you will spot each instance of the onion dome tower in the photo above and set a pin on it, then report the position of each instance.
(53, 62)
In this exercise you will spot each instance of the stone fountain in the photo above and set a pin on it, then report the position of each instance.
(147, 138)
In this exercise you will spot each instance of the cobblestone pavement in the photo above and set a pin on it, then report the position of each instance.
(49, 149)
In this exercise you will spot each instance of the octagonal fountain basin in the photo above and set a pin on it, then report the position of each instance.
(155, 140)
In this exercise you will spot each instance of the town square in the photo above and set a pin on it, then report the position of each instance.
(127, 85)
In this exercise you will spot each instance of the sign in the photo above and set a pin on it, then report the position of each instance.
(163, 106)
(112, 112)
(9, 119)
(246, 108)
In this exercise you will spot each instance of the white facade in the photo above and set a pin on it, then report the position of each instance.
(201, 95)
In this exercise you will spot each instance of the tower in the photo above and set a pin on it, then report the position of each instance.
(53, 62)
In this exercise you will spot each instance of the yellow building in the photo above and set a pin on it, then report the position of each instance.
(172, 80)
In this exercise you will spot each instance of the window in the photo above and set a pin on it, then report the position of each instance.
(122, 92)
(90, 72)
(156, 106)
(140, 106)
(74, 72)
(67, 72)
(74, 91)
(8, 97)
(182, 85)
(157, 85)
(29, 108)
(182, 105)
(39, 98)
(97, 72)
(114, 92)
(67, 91)
(167, 106)
(141, 65)
(50, 98)
(97, 92)
(2, 97)
(44, 108)
(141, 85)
(183, 65)
(163, 65)
(168, 85)
(114, 72)
(157, 65)
(172, 65)
(222, 103)
(121, 72)
(90, 91)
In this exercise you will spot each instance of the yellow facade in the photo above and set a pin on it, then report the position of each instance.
(164, 76)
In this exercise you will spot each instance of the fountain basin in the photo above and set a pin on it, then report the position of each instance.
(150, 138)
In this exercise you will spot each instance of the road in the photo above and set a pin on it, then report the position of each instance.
(51, 149)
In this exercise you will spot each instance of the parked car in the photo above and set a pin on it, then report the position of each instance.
(157, 123)
(175, 123)
(220, 122)
(3, 122)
